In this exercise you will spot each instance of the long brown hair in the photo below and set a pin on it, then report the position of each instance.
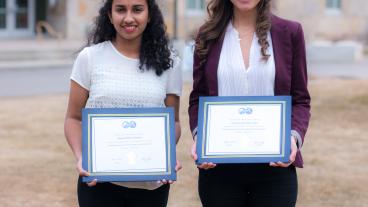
(220, 13)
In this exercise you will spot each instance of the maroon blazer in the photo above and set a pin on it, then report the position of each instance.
(291, 75)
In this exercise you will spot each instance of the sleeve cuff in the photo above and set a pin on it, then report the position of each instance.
(299, 141)
(79, 82)
(175, 92)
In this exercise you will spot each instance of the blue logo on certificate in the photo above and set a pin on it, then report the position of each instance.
(247, 111)
(129, 124)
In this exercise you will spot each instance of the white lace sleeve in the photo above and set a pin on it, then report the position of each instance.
(81, 71)
(174, 78)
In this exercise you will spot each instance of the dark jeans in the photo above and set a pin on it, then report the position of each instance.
(109, 195)
(248, 185)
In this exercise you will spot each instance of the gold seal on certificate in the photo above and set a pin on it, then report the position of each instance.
(244, 129)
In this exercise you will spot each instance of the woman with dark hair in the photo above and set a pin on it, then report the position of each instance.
(244, 50)
(127, 64)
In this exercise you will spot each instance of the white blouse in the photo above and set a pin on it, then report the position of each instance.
(115, 81)
(234, 79)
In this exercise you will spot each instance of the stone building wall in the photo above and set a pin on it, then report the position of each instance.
(351, 23)
(80, 15)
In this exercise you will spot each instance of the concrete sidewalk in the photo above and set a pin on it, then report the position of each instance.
(357, 70)
(29, 67)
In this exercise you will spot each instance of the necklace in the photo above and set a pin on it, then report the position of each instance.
(240, 36)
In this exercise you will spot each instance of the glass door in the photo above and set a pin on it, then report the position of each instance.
(16, 18)
(3, 14)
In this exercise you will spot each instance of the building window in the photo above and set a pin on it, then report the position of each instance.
(333, 5)
(195, 6)
(2, 14)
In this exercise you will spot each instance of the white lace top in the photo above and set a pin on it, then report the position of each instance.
(115, 81)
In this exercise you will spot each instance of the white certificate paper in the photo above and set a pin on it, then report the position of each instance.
(243, 129)
(128, 144)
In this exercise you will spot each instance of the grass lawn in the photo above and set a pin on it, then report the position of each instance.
(37, 167)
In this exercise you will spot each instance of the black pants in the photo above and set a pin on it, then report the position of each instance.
(248, 185)
(111, 195)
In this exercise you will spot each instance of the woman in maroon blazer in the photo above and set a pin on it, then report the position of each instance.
(244, 50)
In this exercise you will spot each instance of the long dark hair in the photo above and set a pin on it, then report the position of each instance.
(154, 52)
(220, 13)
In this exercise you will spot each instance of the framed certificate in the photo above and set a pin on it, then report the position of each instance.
(128, 144)
(249, 129)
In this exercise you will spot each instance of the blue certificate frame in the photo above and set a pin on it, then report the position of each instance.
(89, 114)
(285, 125)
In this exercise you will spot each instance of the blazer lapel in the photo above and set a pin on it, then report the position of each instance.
(213, 59)
(282, 54)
